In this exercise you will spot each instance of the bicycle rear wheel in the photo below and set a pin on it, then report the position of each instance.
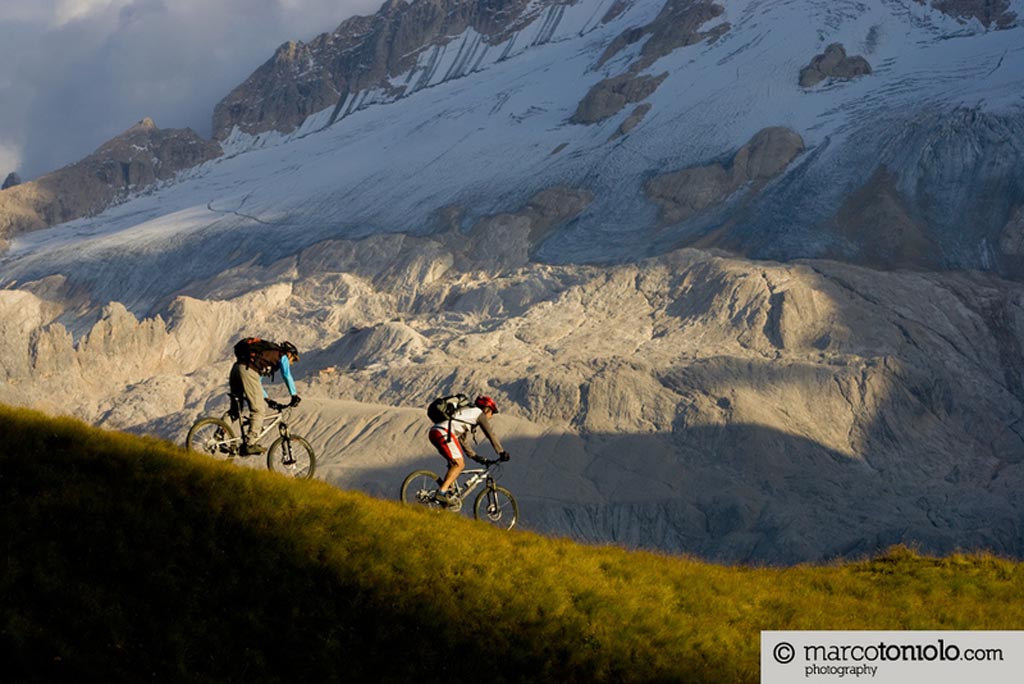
(498, 507)
(213, 437)
(419, 487)
(292, 456)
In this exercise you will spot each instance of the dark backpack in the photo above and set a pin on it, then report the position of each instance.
(263, 356)
(444, 408)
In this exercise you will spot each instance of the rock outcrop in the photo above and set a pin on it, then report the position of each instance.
(363, 53)
(677, 25)
(991, 13)
(12, 179)
(877, 217)
(608, 97)
(682, 194)
(509, 239)
(833, 63)
(1011, 239)
(631, 121)
(131, 162)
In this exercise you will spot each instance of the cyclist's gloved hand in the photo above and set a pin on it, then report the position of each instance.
(504, 456)
(295, 400)
(274, 405)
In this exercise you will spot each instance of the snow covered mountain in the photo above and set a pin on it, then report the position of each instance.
(928, 143)
(555, 202)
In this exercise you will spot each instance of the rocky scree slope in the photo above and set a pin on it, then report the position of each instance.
(741, 411)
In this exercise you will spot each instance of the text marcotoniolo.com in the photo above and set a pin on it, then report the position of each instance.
(888, 656)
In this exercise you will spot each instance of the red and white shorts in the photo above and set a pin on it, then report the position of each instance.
(447, 444)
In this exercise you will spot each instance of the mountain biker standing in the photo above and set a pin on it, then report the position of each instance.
(449, 440)
(246, 384)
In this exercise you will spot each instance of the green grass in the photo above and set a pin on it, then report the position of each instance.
(126, 559)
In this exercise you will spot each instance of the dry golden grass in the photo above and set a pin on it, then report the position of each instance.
(126, 556)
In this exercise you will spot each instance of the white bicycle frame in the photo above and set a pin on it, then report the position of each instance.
(269, 424)
(478, 475)
(463, 490)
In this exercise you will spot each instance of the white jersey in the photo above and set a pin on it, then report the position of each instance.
(464, 420)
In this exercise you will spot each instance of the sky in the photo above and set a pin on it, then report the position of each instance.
(75, 73)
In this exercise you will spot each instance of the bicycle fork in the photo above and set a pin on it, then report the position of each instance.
(493, 509)
(286, 445)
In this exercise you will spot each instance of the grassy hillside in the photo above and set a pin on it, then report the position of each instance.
(127, 559)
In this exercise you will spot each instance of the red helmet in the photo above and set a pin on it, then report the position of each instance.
(486, 403)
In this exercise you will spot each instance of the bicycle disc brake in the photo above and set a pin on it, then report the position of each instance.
(493, 509)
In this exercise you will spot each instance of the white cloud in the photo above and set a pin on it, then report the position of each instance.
(10, 159)
(53, 13)
(79, 72)
(69, 10)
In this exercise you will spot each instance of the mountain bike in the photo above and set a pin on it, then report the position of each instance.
(494, 504)
(289, 454)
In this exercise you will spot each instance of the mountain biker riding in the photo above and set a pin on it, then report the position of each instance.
(449, 439)
(246, 385)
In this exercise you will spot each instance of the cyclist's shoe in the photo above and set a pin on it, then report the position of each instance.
(252, 449)
(444, 498)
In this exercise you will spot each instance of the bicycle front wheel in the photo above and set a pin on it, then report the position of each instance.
(292, 456)
(419, 488)
(498, 507)
(213, 437)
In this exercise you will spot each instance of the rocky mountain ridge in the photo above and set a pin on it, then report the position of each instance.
(131, 162)
(366, 52)
(362, 54)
